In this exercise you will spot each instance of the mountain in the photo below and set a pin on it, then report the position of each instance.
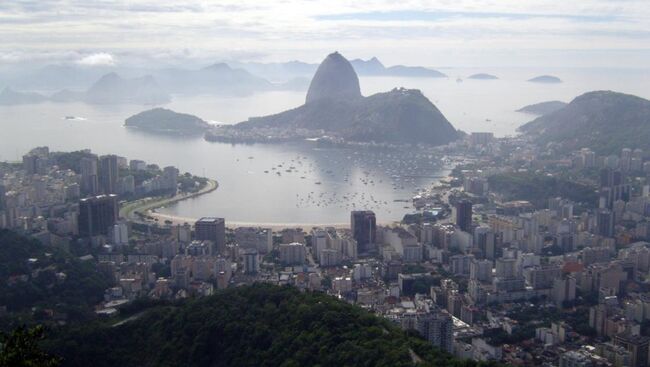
(334, 79)
(370, 67)
(483, 76)
(37, 278)
(545, 79)
(334, 106)
(278, 71)
(258, 325)
(166, 121)
(543, 108)
(604, 121)
(217, 78)
(64, 76)
(9, 96)
(113, 89)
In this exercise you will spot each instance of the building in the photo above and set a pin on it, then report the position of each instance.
(260, 239)
(436, 327)
(251, 261)
(292, 253)
(89, 175)
(636, 345)
(97, 215)
(120, 234)
(211, 229)
(364, 229)
(605, 223)
(464, 215)
(108, 174)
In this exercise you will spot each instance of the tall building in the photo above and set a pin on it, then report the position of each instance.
(89, 175)
(32, 164)
(108, 174)
(464, 215)
(605, 223)
(251, 262)
(437, 327)
(292, 253)
(637, 345)
(3, 200)
(211, 229)
(364, 229)
(97, 215)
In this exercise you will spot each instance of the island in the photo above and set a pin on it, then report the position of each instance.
(161, 120)
(336, 110)
(549, 79)
(542, 108)
(483, 76)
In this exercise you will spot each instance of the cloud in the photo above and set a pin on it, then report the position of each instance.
(98, 31)
(97, 59)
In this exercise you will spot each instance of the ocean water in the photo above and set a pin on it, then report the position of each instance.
(324, 184)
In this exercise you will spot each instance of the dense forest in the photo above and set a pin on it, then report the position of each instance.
(538, 188)
(41, 283)
(258, 325)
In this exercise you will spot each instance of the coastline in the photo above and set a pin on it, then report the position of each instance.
(148, 205)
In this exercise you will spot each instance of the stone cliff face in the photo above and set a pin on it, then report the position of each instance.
(335, 79)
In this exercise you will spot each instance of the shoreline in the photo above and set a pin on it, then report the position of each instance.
(148, 206)
(275, 226)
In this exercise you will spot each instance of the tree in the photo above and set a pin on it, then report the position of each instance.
(20, 349)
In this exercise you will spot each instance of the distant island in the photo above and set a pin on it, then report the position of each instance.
(542, 108)
(162, 120)
(603, 121)
(336, 109)
(550, 79)
(483, 76)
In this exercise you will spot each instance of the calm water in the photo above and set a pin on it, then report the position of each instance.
(335, 180)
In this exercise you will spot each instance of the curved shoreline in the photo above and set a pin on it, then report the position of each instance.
(146, 205)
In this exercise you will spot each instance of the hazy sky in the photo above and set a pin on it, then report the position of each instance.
(432, 33)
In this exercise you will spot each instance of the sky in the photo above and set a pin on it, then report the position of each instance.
(439, 33)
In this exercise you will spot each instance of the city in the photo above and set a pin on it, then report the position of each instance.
(484, 275)
(325, 183)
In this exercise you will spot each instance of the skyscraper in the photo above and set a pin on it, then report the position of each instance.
(211, 229)
(108, 174)
(97, 215)
(605, 223)
(89, 175)
(364, 229)
(464, 215)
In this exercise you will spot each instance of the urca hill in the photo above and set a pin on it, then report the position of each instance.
(603, 121)
(335, 107)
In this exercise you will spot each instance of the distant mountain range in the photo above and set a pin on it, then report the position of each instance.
(162, 120)
(8, 96)
(603, 121)
(335, 106)
(549, 79)
(370, 67)
(543, 108)
(373, 67)
(109, 89)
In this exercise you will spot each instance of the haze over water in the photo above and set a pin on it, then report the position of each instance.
(247, 194)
